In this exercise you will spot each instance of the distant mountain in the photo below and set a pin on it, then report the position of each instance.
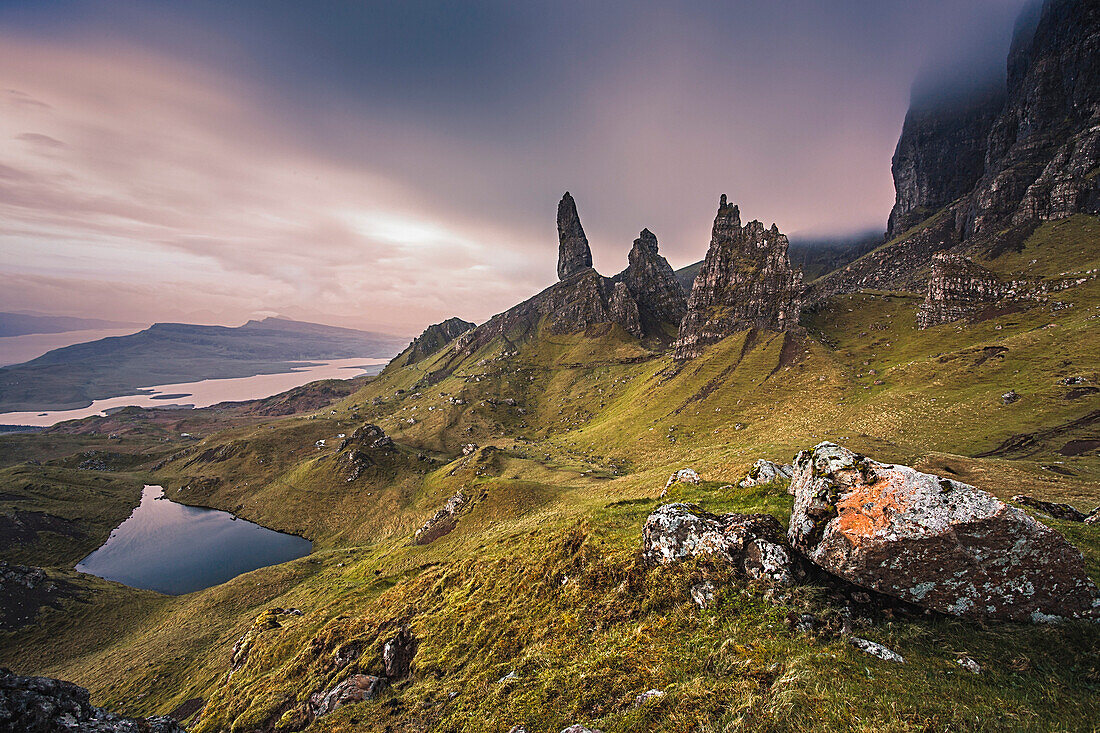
(21, 324)
(165, 353)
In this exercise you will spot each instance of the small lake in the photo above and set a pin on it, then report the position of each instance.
(208, 391)
(172, 548)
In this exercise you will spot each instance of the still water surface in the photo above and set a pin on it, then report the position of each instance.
(176, 549)
(207, 392)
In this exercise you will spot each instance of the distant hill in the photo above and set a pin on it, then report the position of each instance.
(21, 324)
(164, 353)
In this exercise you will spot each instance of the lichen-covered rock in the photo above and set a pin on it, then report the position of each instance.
(765, 472)
(752, 543)
(580, 729)
(398, 653)
(683, 476)
(934, 542)
(442, 522)
(1054, 509)
(573, 252)
(875, 649)
(746, 281)
(47, 705)
(356, 688)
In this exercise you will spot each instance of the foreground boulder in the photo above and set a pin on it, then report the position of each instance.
(46, 705)
(932, 541)
(751, 542)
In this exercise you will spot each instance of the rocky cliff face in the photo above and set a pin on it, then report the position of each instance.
(434, 338)
(746, 281)
(994, 168)
(1046, 141)
(573, 253)
(940, 156)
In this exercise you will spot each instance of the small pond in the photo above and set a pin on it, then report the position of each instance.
(172, 548)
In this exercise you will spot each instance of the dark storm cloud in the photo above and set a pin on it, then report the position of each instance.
(465, 122)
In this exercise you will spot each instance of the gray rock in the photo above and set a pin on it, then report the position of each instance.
(356, 688)
(746, 281)
(875, 650)
(580, 729)
(398, 653)
(1054, 509)
(752, 543)
(573, 253)
(765, 472)
(47, 705)
(934, 542)
(442, 522)
(683, 476)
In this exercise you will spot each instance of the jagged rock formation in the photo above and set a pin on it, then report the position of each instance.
(573, 253)
(982, 175)
(938, 543)
(960, 288)
(46, 705)
(746, 282)
(644, 299)
(434, 338)
(652, 284)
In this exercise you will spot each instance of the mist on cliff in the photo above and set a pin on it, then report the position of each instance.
(377, 164)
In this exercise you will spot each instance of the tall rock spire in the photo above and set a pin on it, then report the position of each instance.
(573, 252)
(653, 285)
(746, 282)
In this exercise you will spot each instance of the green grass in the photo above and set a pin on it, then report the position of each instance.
(542, 575)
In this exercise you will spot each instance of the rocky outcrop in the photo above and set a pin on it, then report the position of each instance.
(940, 155)
(356, 688)
(932, 541)
(1065, 512)
(573, 253)
(683, 476)
(434, 338)
(1043, 146)
(653, 286)
(47, 705)
(398, 653)
(956, 289)
(442, 522)
(765, 472)
(960, 288)
(746, 281)
(752, 543)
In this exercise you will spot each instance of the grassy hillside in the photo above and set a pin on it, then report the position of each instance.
(575, 437)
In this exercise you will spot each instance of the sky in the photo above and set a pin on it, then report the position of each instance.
(386, 165)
